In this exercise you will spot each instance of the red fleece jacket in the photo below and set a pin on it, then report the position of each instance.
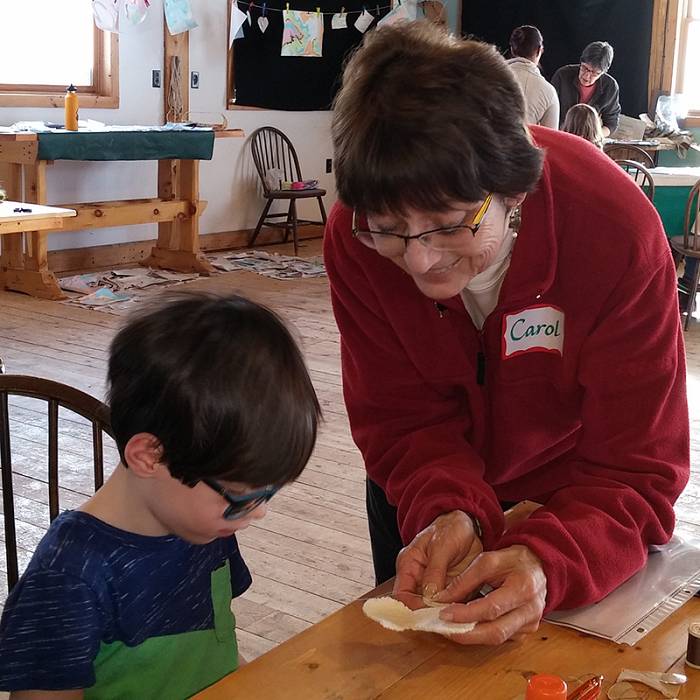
(580, 403)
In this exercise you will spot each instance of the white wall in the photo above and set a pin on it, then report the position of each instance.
(227, 182)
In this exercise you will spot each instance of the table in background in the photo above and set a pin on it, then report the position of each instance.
(671, 188)
(652, 146)
(25, 157)
(349, 656)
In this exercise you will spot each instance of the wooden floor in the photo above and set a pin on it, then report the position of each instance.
(311, 554)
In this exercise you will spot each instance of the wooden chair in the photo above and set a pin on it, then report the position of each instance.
(56, 395)
(630, 152)
(273, 151)
(640, 175)
(688, 245)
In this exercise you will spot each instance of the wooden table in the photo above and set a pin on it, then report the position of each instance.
(176, 210)
(349, 657)
(38, 218)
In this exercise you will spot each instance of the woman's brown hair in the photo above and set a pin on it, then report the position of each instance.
(424, 118)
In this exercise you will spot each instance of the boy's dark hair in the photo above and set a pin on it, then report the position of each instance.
(525, 41)
(222, 385)
(599, 55)
(424, 118)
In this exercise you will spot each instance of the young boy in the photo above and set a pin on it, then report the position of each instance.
(129, 596)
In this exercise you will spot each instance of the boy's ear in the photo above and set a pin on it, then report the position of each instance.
(144, 455)
(517, 200)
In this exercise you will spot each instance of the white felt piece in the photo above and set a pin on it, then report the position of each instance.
(394, 615)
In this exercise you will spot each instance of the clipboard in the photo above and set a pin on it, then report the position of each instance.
(670, 578)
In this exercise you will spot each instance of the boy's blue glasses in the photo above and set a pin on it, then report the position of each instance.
(239, 506)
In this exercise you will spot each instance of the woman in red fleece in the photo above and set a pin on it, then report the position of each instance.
(506, 304)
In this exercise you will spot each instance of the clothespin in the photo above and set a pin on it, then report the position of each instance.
(377, 10)
(287, 7)
(342, 10)
(264, 8)
(318, 11)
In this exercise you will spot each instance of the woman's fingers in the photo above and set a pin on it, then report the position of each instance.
(512, 609)
(410, 565)
(453, 539)
(512, 625)
(422, 565)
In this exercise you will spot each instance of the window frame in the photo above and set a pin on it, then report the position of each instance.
(103, 93)
(230, 68)
(685, 21)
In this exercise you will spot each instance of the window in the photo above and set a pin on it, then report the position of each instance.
(687, 75)
(45, 46)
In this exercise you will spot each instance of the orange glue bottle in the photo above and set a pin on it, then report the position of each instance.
(545, 687)
(71, 107)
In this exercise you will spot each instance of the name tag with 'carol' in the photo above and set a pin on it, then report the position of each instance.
(537, 329)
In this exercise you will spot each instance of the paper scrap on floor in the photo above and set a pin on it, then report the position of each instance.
(269, 264)
(116, 287)
(102, 297)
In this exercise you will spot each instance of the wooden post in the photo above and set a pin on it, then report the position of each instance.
(35, 191)
(189, 191)
(178, 241)
(176, 104)
(12, 244)
(12, 256)
(36, 278)
(168, 231)
(664, 34)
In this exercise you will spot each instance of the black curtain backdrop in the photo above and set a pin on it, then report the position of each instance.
(567, 26)
(263, 78)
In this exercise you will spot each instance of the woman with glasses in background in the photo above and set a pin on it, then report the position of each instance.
(505, 299)
(589, 82)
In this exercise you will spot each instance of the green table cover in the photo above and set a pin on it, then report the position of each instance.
(670, 202)
(126, 145)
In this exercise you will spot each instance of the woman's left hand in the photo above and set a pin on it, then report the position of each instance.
(513, 608)
(423, 567)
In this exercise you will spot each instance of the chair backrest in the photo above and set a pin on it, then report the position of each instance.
(628, 152)
(56, 395)
(640, 175)
(691, 222)
(272, 150)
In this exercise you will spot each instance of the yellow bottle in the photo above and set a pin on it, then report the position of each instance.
(71, 106)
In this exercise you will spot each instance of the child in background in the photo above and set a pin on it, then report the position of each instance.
(129, 596)
(584, 121)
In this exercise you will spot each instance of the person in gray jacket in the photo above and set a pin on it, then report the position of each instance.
(589, 82)
(541, 101)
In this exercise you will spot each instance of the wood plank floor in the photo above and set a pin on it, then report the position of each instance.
(311, 554)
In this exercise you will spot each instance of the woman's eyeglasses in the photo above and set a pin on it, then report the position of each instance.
(590, 70)
(240, 505)
(393, 244)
